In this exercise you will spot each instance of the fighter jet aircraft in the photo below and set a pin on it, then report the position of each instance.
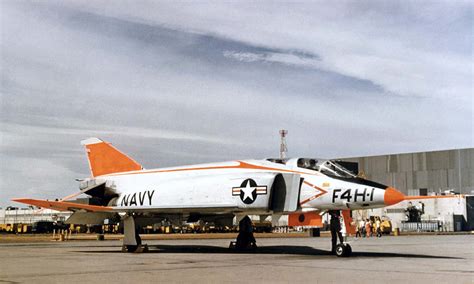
(301, 188)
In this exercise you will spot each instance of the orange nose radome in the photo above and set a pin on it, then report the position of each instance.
(392, 196)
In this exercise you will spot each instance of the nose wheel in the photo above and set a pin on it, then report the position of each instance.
(343, 250)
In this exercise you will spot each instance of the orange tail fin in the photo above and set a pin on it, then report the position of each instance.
(106, 159)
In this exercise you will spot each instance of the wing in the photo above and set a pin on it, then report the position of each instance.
(63, 205)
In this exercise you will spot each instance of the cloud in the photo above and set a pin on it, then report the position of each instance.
(245, 56)
(288, 58)
(412, 50)
(174, 83)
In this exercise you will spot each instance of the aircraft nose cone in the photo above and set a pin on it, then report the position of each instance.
(392, 196)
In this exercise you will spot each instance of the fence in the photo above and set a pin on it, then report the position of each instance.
(425, 226)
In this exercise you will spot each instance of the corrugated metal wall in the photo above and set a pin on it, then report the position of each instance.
(436, 171)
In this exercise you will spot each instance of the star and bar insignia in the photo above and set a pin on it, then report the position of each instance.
(249, 190)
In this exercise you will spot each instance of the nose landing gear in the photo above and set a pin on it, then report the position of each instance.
(343, 250)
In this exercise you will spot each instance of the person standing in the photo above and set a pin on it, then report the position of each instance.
(378, 230)
(420, 207)
(335, 226)
(362, 225)
(359, 230)
(368, 228)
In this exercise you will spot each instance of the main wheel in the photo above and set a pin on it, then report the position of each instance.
(340, 250)
(343, 250)
(131, 248)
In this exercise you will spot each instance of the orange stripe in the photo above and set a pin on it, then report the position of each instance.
(315, 196)
(241, 165)
(174, 170)
(245, 165)
(61, 205)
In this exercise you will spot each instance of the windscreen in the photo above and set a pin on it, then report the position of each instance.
(332, 168)
(327, 167)
(278, 161)
(310, 164)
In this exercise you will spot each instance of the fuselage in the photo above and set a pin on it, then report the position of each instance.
(239, 186)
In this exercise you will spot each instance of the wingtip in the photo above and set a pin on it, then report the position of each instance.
(23, 200)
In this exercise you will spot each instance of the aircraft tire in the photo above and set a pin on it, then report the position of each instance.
(131, 248)
(348, 249)
(343, 250)
(340, 250)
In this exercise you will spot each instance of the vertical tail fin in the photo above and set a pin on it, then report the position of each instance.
(106, 159)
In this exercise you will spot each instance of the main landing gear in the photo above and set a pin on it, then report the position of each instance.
(343, 250)
(131, 239)
(245, 239)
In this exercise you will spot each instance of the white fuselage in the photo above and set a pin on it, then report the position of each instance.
(237, 186)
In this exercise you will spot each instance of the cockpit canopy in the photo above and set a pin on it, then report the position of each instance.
(327, 167)
(331, 168)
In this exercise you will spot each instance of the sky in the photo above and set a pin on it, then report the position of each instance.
(177, 83)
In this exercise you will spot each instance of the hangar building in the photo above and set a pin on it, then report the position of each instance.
(425, 173)
(422, 173)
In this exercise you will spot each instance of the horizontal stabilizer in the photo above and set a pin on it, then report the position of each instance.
(62, 205)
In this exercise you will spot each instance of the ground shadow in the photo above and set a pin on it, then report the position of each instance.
(297, 250)
(288, 250)
(407, 255)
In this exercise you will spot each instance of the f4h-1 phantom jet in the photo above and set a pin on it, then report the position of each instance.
(301, 188)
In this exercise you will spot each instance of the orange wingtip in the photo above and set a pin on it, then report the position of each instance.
(62, 205)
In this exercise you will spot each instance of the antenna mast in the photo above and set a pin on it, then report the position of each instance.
(283, 147)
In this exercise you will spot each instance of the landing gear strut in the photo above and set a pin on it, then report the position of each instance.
(131, 239)
(341, 249)
(245, 239)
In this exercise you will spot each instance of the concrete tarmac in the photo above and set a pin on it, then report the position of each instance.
(404, 259)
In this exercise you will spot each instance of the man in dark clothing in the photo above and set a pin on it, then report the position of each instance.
(335, 226)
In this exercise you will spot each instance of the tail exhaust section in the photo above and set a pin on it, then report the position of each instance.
(106, 159)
